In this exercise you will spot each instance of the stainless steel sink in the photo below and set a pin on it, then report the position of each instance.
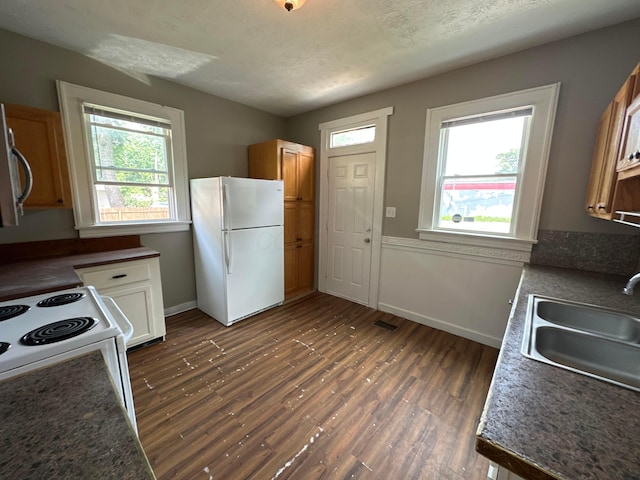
(589, 319)
(584, 338)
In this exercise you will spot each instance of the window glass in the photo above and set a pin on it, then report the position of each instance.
(481, 163)
(131, 167)
(355, 136)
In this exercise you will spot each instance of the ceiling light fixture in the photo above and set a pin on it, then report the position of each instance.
(289, 5)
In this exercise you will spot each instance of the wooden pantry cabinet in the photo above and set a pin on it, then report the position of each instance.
(294, 164)
(38, 135)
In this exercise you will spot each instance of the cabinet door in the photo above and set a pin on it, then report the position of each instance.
(135, 301)
(305, 223)
(290, 269)
(298, 222)
(305, 174)
(630, 151)
(290, 222)
(289, 174)
(305, 266)
(38, 135)
(612, 146)
(602, 136)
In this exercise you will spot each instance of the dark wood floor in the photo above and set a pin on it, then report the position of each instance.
(310, 390)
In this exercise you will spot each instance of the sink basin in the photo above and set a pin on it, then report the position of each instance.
(587, 339)
(598, 356)
(589, 319)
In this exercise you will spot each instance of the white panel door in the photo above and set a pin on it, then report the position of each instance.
(255, 270)
(249, 203)
(350, 222)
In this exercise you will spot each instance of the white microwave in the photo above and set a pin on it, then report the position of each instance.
(12, 193)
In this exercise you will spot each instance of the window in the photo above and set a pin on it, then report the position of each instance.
(481, 167)
(128, 163)
(484, 166)
(353, 136)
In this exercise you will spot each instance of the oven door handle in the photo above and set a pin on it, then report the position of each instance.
(120, 318)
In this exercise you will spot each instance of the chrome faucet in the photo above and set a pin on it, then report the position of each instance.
(628, 289)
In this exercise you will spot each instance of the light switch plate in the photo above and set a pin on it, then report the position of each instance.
(391, 212)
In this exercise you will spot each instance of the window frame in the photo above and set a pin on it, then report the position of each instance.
(72, 99)
(528, 201)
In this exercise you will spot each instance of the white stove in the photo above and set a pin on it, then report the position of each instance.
(43, 330)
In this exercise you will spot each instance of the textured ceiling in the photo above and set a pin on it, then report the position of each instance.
(253, 52)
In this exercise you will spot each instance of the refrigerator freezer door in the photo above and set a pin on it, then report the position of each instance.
(250, 203)
(256, 265)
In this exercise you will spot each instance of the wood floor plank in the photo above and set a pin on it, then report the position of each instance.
(310, 390)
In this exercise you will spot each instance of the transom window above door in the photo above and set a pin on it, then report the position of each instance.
(352, 136)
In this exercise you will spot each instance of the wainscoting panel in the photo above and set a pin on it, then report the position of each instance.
(463, 293)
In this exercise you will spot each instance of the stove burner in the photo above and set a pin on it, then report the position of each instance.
(62, 299)
(4, 346)
(10, 311)
(58, 331)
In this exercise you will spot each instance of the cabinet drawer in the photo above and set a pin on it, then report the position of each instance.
(116, 276)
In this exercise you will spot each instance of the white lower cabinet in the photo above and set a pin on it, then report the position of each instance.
(137, 289)
(496, 472)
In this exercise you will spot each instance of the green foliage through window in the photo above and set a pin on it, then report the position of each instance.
(131, 165)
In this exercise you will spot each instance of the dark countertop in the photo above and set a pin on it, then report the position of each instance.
(544, 422)
(51, 428)
(49, 274)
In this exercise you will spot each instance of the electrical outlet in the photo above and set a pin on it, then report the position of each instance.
(391, 212)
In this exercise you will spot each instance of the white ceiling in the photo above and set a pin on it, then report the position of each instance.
(256, 53)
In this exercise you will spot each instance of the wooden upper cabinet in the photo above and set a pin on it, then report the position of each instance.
(297, 173)
(291, 162)
(603, 194)
(629, 157)
(38, 135)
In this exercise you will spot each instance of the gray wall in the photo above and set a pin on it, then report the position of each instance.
(591, 68)
(218, 132)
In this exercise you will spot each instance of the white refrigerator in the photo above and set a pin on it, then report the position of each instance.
(238, 245)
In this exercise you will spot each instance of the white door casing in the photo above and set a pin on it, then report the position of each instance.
(378, 148)
(350, 225)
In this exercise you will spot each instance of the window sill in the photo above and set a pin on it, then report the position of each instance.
(465, 238)
(478, 245)
(97, 231)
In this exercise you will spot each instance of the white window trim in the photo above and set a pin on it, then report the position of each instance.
(71, 98)
(527, 210)
(379, 118)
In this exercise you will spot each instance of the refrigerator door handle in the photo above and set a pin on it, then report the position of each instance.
(228, 252)
(226, 207)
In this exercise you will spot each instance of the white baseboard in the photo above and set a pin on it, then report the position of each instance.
(441, 325)
(183, 307)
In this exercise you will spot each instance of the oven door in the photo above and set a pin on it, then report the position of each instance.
(12, 194)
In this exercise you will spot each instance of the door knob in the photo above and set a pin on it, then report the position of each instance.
(367, 240)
